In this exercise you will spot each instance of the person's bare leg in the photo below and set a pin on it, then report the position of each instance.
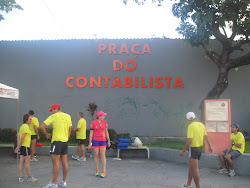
(65, 166)
(103, 158)
(56, 167)
(20, 167)
(230, 161)
(33, 148)
(96, 153)
(195, 172)
(190, 174)
(78, 150)
(222, 159)
(82, 149)
(27, 165)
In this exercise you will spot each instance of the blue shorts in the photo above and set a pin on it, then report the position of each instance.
(99, 144)
(234, 153)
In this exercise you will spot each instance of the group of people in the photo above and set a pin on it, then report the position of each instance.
(99, 139)
(61, 122)
(195, 134)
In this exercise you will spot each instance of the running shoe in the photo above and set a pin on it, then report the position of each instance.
(75, 157)
(33, 159)
(103, 175)
(223, 171)
(97, 173)
(62, 184)
(31, 179)
(21, 179)
(231, 173)
(51, 185)
(185, 186)
(81, 159)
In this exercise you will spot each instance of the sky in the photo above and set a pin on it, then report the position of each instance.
(81, 19)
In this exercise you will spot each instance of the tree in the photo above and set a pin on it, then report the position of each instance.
(203, 19)
(92, 108)
(7, 6)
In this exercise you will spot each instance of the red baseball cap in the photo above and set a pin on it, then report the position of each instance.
(100, 113)
(54, 106)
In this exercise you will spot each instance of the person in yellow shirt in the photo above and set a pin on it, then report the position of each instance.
(61, 123)
(34, 134)
(196, 132)
(81, 137)
(23, 146)
(235, 149)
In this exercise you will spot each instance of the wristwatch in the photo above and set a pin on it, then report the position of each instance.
(233, 144)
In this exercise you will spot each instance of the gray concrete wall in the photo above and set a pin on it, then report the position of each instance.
(39, 70)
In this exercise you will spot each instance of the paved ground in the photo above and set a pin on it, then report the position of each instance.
(129, 172)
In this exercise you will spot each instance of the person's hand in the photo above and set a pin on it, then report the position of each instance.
(182, 153)
(109, 144)
(48, 136)
(38, 137)
(210, 150)
(226, 155)
(16, 150)
(89, 146)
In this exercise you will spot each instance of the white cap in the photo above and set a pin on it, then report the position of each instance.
(190, 116)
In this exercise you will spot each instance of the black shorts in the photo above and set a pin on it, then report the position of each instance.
(33, 137)
(195, 152)
(81, 141)
(25, 151)
(59, 148)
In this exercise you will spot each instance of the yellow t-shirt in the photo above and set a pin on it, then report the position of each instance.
(61, 123)
(34, 122)
(81, 134)
(196, 131)
(27, 139)
(238, 139)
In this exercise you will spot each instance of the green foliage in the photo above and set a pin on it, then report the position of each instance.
(7, 6)
(124, 135)
(202, 19)
(92, 108)
(8, 135)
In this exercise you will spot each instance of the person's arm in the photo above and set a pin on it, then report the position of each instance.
(69, 131)
(107, 135)
(20, 142)
(48, 135)
(230, 146)
(208, 143)
(37, 133)
(90, 138)
(77, 129)
(188, 143)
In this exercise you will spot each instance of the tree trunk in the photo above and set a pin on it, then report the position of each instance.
(219, 87)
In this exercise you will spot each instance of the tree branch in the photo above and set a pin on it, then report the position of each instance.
(221, 38)
(240, 61)
(212, 55)
(234, 29)
(238, 46)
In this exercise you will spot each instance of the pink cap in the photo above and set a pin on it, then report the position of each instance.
(100, 113)
(54, 106)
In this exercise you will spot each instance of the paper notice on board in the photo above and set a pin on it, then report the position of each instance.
(223, 127)
(211, 126)
(216, 110)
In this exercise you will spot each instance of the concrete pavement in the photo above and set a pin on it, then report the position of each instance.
(128, 172)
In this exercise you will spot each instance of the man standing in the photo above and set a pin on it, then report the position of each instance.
(235, 149)
(81, 137)
(34, 134)
(61, 123)
(195, 134)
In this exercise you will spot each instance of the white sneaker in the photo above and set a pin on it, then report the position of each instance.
(81, 159)
(31, 179)
(21, 179)
(75, 157)
(231, 173)
(223, 171)
(62, 184)
(185, 186)
(33, 159)
(51, 185)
